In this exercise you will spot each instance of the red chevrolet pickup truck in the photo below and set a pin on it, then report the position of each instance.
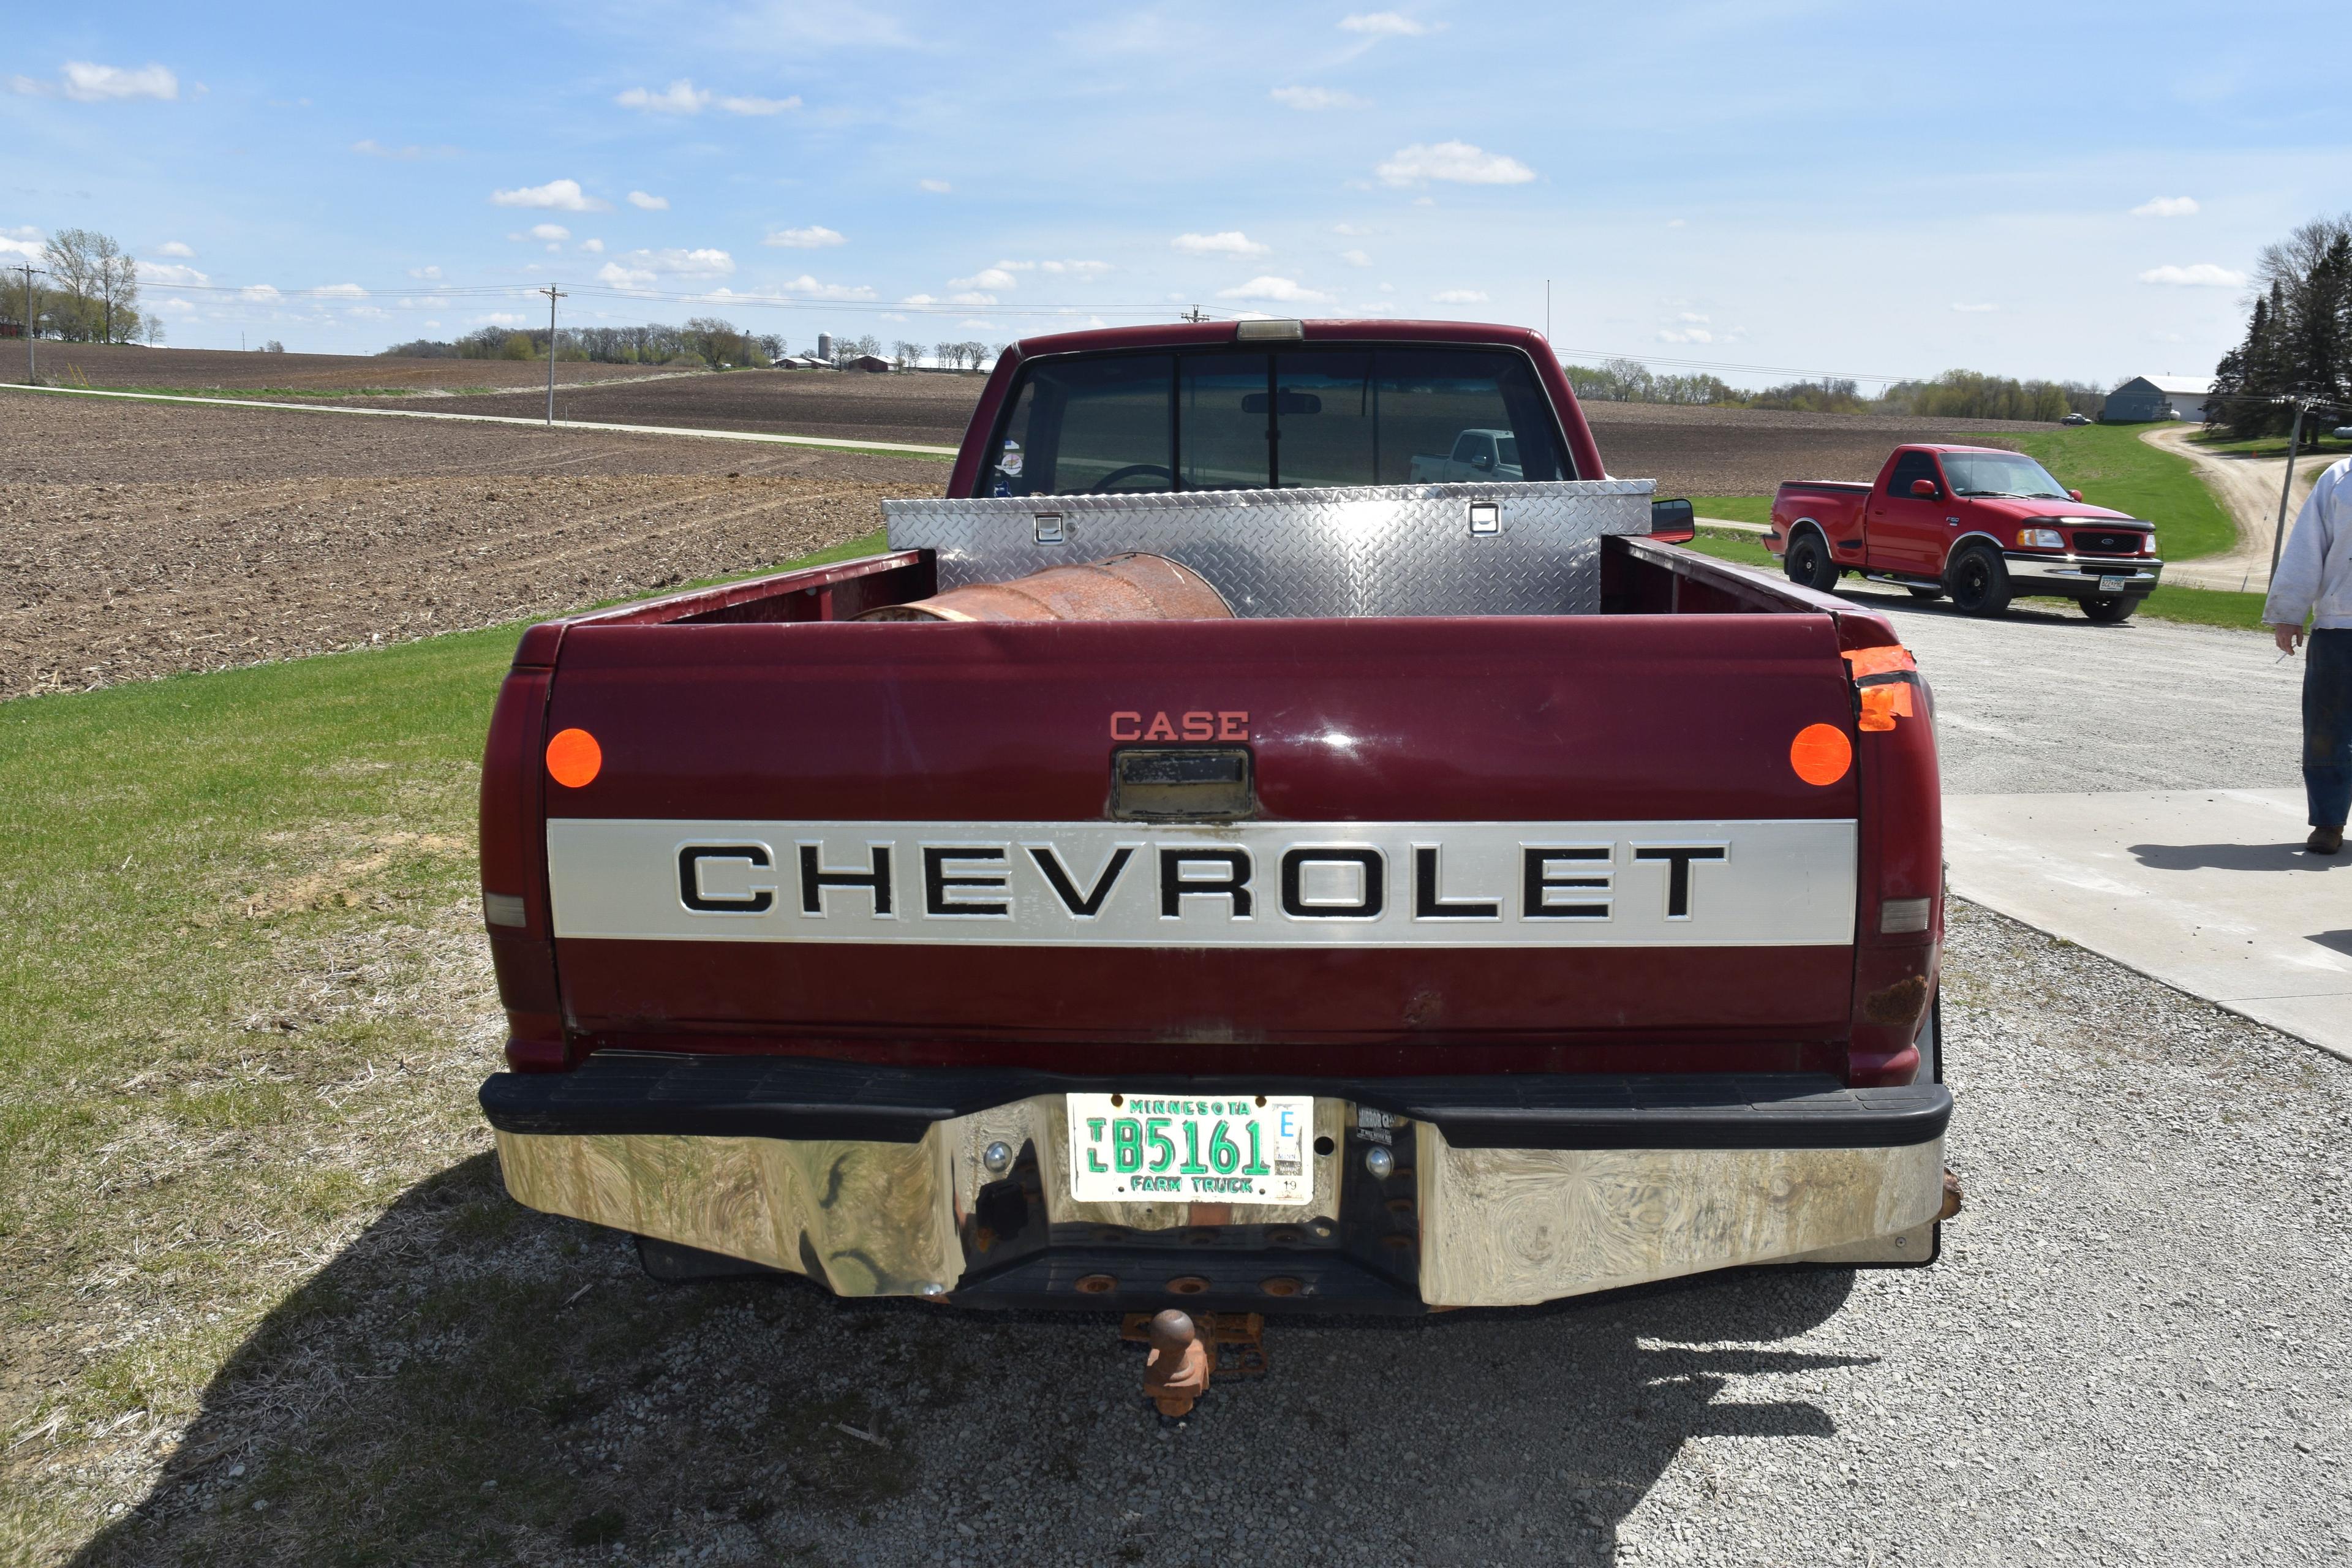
(1196, 866)
(1984, 525)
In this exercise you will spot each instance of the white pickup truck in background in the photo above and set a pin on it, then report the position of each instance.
(1477, 455)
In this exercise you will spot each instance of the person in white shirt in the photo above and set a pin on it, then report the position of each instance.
(2314, 581)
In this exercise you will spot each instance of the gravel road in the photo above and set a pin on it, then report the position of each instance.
(2249, 490)
(2041, 700)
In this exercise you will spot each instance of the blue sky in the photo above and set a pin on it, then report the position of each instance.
(2037, 190)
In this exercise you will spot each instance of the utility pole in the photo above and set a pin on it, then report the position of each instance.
(553, 294)
(32, 330)
(2294, 444)
(1193, 315)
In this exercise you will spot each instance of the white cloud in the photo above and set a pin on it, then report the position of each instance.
(616, 276)
(986, 277)
(971, 297)
(1350, 230)
(1228, 242)
(978, 326)
(28, 245)
(1314, 98)
(919, 300)
(1693, 318)
(87, 83)
(680, 97)
(429, 273)
(759, 105)
(550, 231)
(645, 203)
(1460, 296)
(1678, 223)
(816, 237)
(1384, 24)
(259, 293)
(177, 307)
(370, 148)
(706, 262)
(1458, 162)
(501, 319)
(1079, 270)
(560, 196)
(1693, 335)
(174, 248)
(1974, 309)
(2166, 207)
(937, 187)
(804, 284)
(1281, 291)
(340, 291)
(165, 272)
(2200, 275)
(1355, 258)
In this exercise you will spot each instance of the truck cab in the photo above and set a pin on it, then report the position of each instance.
(1980, 524)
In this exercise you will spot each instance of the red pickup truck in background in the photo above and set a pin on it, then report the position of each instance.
(1197, 866)
(1984, 525)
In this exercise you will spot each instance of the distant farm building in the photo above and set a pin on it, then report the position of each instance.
(865, 362)
(9, 329)
(2146, 397)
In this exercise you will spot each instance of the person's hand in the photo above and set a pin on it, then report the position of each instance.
(2289, 639)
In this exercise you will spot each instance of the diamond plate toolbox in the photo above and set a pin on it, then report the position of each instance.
(1529, 549)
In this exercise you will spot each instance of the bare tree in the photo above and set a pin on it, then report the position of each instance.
(118, 291)
(943, 355)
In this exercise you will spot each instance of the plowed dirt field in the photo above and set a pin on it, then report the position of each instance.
(103, 365)
(142, 538)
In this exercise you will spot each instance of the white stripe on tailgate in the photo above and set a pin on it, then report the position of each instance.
(1288, 884)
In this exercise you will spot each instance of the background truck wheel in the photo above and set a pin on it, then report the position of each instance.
(2107, 609)
(1808, 563)
(1926, 593)
(1978, 584)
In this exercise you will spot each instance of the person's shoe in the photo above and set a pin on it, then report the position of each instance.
(2324, 840)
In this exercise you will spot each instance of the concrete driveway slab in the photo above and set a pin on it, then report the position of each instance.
(2207, 891)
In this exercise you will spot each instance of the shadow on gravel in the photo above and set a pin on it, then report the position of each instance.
(2286, 856)
(471, 1382)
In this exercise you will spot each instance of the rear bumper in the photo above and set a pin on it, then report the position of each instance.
(2079, 576)
(1505, 1191)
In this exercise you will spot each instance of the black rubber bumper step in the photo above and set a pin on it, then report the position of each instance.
(806, 1097)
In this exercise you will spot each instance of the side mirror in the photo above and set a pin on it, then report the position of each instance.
(1482, 461)
(2074, 495)
(1672, 521)
(1924, 489)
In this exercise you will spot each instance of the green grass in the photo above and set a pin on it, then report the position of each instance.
(2113, 468)
(2326, 450)
(1734, 509)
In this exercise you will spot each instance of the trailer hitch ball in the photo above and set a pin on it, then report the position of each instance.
(1177, 1372)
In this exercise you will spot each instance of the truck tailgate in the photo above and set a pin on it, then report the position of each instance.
(1576, 840)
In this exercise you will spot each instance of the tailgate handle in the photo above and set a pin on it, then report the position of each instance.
(1182, 783)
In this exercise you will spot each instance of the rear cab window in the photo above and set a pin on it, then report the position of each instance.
(1912, 466)
(1319, 416)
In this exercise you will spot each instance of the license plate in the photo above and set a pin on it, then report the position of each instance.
(2111, 585)
(1213, 1149)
